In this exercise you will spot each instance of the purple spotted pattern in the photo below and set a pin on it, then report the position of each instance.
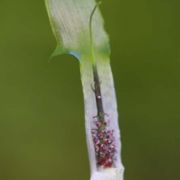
(104, 144)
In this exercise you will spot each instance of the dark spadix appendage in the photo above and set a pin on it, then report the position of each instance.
(103, 138)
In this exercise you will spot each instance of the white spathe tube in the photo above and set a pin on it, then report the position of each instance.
(108, 174)
(110, 108)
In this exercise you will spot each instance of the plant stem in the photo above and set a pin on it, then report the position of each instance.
(98, 96)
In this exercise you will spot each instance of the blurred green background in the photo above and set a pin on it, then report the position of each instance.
(42, 133)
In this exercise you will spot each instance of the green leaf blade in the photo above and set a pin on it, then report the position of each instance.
(70, 23)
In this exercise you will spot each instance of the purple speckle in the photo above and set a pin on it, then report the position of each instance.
(104, 144)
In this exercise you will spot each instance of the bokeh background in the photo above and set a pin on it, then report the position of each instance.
(42, 133)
